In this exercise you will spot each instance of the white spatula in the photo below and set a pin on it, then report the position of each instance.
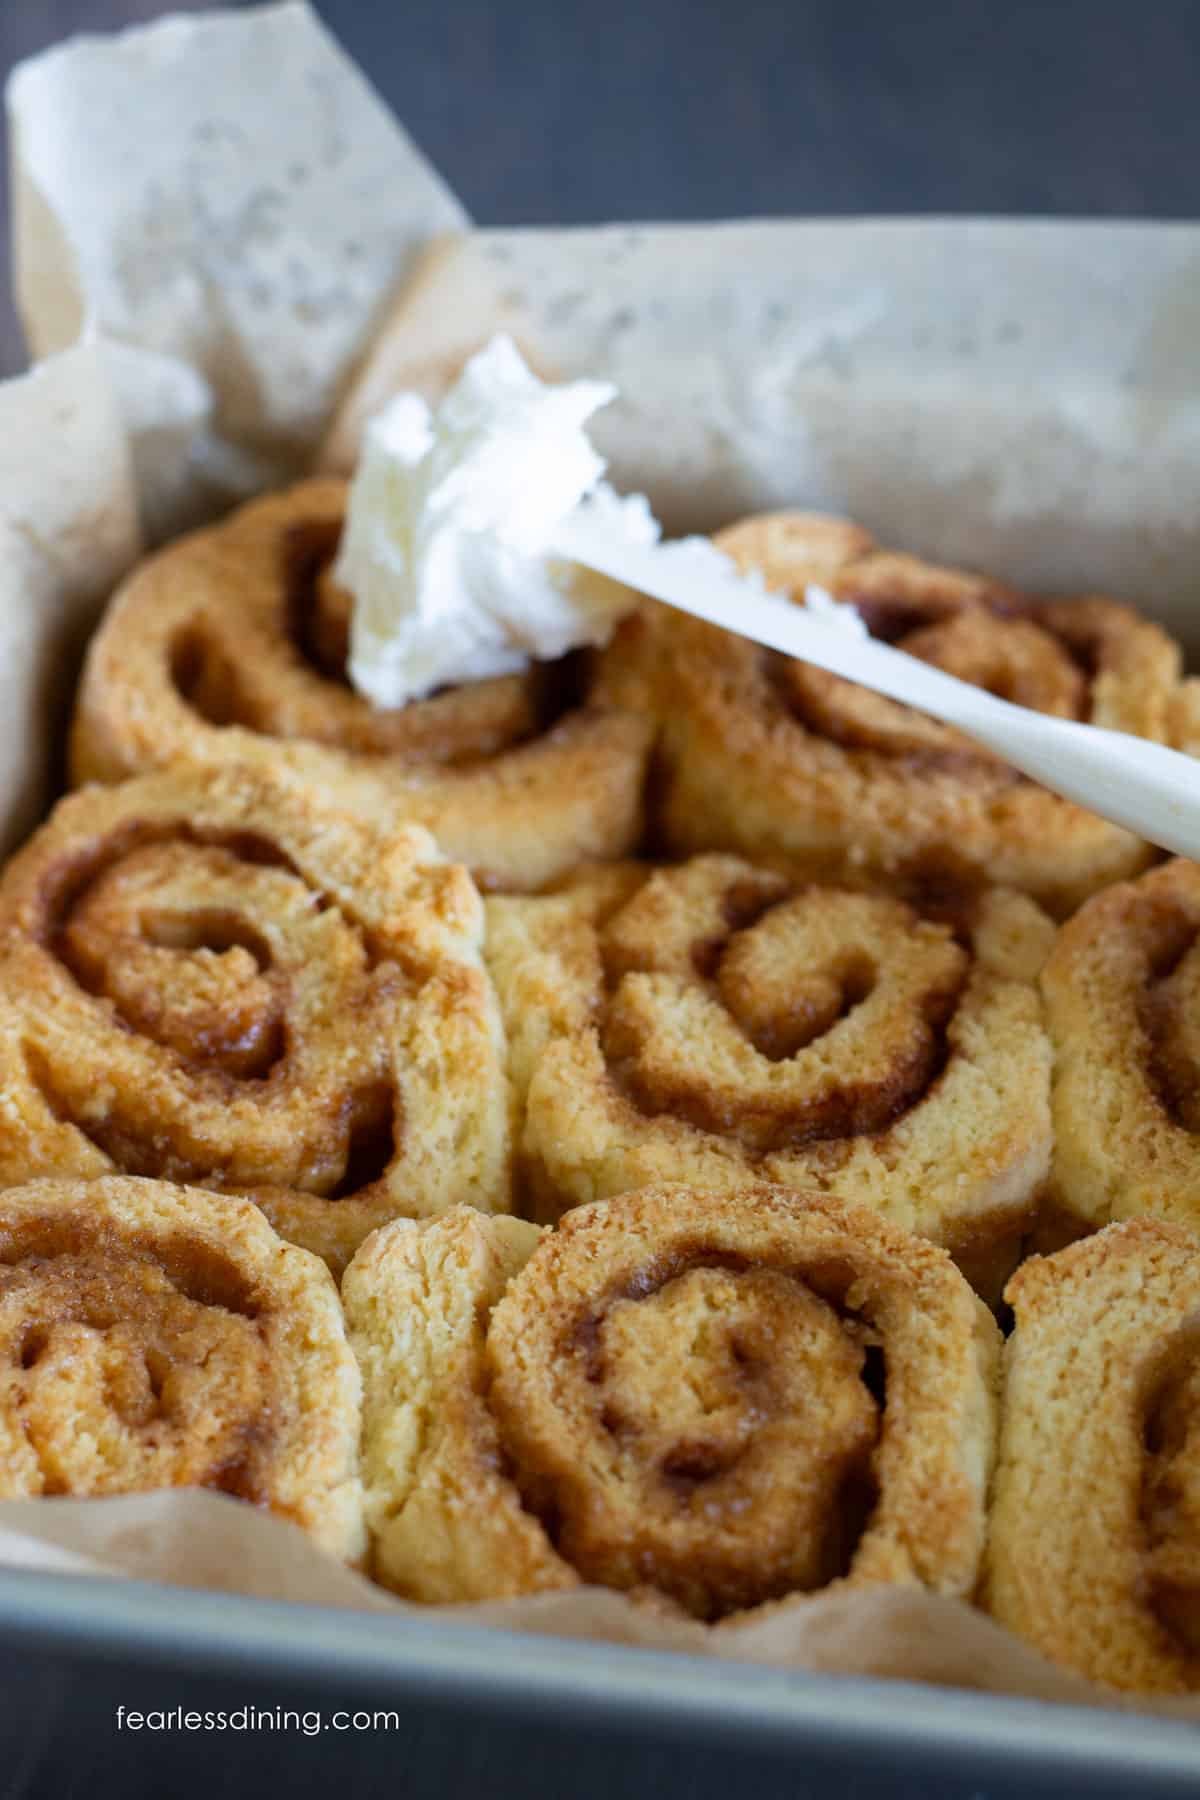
(1149, 789)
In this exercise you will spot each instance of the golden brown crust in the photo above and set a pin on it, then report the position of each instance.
(806, 772)
(154, 1336)
(224, 979)
(1185, 717)
(1121, 994)
(1095, 1520)
(1122, 990)
(231, 645)
(713, 1021)
(713, 1400)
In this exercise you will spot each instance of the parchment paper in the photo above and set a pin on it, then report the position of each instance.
(68, 529)
(1018, 396)
(222, 207)
(210, 1541)
(229, 197)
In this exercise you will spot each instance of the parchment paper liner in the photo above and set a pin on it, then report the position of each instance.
(186, 197)
(209, 1541)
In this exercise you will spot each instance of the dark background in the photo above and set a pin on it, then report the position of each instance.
(550, 110)
(556, 110)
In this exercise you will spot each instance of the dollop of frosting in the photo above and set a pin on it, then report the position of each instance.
(841, 615)
(451, 512)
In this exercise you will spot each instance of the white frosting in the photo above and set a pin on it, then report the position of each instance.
(842, 615)
(450, 513)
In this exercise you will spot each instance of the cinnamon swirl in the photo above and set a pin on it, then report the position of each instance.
(797, 768)
(222, 979)
(231, 646)
(1094, 1535)
(712, 1400)
(156, 1337)
(715, 1020)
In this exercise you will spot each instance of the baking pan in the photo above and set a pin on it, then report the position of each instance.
(551, 1716)
(501, 1713)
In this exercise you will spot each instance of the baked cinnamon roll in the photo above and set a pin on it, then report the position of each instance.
(711, 1400)
(799, 769)
(1094, 1535)
(156, 1337)
(231, 646)
(222, 979)
(1122, 989)
(1185, 717)
(714, 1021)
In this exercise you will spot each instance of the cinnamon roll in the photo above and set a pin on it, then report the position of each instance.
(1094, 1535)
(714, 1020)
(223, 979)
(711, 1400)
(1122, 989)
(231, 645)
(1185, 717)
(158, 1337)
(797, 768)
